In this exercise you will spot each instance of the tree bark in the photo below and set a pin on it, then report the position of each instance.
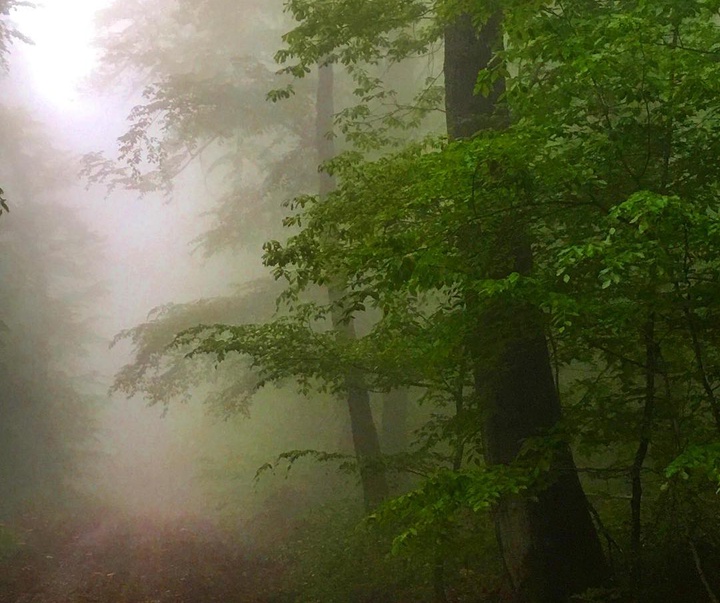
(652, 354)
(468, 52)
(548, 542)
(364, 433)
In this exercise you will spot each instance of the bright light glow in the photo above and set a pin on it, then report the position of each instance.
(62, 55)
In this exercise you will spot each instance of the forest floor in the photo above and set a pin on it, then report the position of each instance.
(110, 559)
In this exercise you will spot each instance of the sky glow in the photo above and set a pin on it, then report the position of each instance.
(62, 55)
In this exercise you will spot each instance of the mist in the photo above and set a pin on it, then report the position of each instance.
(172, 451)
(331, 301)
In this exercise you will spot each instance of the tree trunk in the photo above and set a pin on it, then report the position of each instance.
(466, 54)
(364, 433)
(549, 544)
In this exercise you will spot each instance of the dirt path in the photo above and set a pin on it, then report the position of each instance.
(115, 560)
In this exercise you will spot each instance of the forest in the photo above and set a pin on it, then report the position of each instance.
(360, 301)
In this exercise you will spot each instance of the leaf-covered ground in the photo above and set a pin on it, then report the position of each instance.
(114, 560)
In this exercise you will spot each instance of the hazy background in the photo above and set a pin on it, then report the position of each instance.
(150, 459)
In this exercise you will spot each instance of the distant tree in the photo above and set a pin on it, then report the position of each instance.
(163, 373)
(205, 69)
(8, 34)
(207, 102)
(587, 225)
(362, 423)
(46, 267)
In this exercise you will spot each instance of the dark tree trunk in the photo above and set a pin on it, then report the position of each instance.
(549, 544)
(364, 433)
(652, 356)
(466, 54)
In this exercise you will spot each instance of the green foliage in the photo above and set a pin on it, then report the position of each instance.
(376, 43)
(606, 169)
(333, 556)
(443, 500)
(317, 555)
(450, 500)
(704, 460)
(160, 369)
(345, 462)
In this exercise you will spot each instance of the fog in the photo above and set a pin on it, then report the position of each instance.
(143, 462)
(174, 440)
(346, 301)
(144, 169)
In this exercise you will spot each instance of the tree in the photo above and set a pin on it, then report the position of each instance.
(520, 401)
(47, 266)
(549, 543)
(204, 70)
(362, 425)
(201, 107)
(607, 144)
(575, 236)
(8, 34)
(46, 411)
